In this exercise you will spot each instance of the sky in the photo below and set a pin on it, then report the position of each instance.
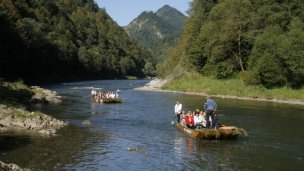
(124, 11)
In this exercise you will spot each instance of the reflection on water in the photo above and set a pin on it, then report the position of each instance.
(54, 152)
(138, 134)
(189, 146)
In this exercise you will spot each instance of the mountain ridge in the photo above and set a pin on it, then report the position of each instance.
(157, 31)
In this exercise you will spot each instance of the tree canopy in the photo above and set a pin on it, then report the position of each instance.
(260, 41)
(51, 40)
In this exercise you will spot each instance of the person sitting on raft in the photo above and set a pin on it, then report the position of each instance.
(93, 93)
(183, 117)
(199, 120)
(189, 120)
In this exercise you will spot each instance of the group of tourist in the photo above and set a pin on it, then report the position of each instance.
(206, 118)
(97, 95)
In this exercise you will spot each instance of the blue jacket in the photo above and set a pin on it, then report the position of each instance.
(210, 105)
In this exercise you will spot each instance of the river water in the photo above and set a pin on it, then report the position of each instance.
(138, 134)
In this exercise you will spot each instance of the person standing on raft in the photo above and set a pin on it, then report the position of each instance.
(178, 110)
(210, 108)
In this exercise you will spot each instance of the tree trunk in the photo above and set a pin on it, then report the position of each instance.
(239, 56)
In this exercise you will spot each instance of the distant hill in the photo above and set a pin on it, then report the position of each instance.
(157, 31)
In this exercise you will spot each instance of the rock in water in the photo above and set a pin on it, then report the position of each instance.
(44, 95)
(86, 122)
(18, 118)
(132, 149)
(48, 131)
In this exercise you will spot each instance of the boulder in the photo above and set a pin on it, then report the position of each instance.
(13, 118)
(42, 95)
(86, 122)
(9, 167)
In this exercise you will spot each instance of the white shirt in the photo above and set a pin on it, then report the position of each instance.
(178, 108)
(202, 120)
(93, 92)
(196, 119)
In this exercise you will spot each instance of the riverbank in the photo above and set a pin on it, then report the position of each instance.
(14, 116)
(233, 89)
(11, 167)
(15, 119)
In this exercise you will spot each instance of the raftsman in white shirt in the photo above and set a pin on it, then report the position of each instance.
(178, 108)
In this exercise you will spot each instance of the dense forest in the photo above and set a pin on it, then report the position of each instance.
(157, 31)
(261, 42)
(48, 40)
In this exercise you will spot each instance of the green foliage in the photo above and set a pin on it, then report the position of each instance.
(271, 72)
(198, 55)
(249, 78)
(294, 53)
(266, 58)
(277, 56)
(225, 34)
(11, 92)
(127, 66)
(262, 41)
(51, 40)
(224, 70)
(149, 69)
(198, 12)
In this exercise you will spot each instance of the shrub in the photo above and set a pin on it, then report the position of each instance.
(224, 70)
(249, 77)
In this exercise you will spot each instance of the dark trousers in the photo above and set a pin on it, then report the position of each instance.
(211, 114)
(178, 118)
(190, 126)
(199, 126)
(216, 121)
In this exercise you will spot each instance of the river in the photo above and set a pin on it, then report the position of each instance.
(138, 134)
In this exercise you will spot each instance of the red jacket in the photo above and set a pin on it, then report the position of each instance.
(189, 120)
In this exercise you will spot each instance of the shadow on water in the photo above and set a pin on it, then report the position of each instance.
(11, 141)
(51, 153)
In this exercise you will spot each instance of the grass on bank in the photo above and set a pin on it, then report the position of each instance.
(231, 87)
(20, 113)
(131, 77)
(14, 92)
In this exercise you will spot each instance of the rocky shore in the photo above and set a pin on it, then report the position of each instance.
(156, 84)
(42, 95)
(14, 116)
(9, 167)
(14, 98)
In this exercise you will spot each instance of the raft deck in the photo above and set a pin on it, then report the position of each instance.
(107, 100)
(223, 132)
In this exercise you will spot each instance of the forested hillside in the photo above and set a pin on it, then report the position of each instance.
(55, 40)
(261, 42)
(157, 31)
